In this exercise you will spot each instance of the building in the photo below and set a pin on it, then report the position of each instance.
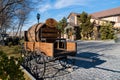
(71, 29)
(73, 19)
(111, 15)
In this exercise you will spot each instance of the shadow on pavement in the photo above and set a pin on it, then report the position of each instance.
(87, 64)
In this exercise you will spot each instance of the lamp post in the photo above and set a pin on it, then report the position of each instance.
(38, 17)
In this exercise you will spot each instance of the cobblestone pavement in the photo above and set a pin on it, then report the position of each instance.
(106, 66)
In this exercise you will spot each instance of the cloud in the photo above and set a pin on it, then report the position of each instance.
(45, 7)
(65, 3)
(58, 4)
(114, 2)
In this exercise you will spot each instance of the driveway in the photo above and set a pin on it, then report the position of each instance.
(106, 67)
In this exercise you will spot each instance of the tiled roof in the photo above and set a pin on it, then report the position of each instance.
(107, 13)
(72, 13)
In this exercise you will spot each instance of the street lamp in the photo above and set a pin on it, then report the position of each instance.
(38, 17)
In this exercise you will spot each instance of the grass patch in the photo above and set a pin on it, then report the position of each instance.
(11, 51)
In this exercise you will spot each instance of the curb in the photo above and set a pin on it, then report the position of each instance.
(25, 71)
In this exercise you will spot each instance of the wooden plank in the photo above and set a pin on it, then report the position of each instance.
(50, 35)
(47, 48)
(37, 45)
(49, 30)
(71, 46)
(29, 46)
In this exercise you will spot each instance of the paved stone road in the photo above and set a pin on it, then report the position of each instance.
(106, 67)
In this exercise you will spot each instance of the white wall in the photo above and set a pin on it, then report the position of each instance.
(113, 18)
(117, 25)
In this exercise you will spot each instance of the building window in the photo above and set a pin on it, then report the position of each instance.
(72, 19)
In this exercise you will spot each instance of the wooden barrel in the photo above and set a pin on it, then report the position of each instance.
(50, 22)
(42, 30)
(34, 31)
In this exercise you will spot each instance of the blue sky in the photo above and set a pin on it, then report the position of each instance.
(58, 9)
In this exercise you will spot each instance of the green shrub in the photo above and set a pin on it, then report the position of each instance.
(10, 68)
(106, 31)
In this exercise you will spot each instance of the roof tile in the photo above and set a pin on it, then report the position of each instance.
(107, 13)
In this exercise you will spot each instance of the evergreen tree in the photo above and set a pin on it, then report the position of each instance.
(85, 25)
(10, 68)
(62, 24)
(107, 31)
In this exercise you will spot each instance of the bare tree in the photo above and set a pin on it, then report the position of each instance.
(21, 17)
(14, 13)
(7, 8)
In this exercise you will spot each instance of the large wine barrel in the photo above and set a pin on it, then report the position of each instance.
(42, 30)
(50, 22)
(33, 32)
